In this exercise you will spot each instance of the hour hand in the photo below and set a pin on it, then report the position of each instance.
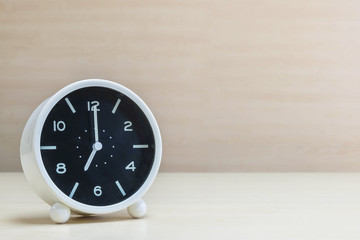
(96, 147)
(92, 155)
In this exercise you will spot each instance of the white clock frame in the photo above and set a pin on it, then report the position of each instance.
(38, 177)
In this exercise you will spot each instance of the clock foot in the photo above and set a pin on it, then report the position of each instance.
(138, 209)
(59, 213)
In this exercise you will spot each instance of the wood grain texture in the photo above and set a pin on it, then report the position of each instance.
(200, 206)
(235, 85)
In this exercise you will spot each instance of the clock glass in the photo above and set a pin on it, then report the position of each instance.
(97, 146)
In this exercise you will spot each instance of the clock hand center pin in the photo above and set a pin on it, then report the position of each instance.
(97, 146)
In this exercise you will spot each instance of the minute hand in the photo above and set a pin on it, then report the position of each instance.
(96, 125)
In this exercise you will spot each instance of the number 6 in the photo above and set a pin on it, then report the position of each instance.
(97, 191)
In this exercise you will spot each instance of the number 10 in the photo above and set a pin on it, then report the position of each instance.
(60, 126)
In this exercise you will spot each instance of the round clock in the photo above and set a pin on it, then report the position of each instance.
(94, 147)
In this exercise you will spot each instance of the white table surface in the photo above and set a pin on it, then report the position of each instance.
(203, 206)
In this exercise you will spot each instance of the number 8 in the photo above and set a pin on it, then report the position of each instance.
(61, 168)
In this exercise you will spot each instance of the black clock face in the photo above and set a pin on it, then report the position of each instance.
(97, 146)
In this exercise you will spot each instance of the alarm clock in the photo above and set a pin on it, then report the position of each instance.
(94, 147)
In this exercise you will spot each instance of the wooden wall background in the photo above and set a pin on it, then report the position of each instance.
(251, 85)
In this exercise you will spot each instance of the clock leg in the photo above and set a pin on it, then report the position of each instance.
(60, 213)
(138, 209)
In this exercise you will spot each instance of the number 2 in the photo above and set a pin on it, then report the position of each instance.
(127, 127)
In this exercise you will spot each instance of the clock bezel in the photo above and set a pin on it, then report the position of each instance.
(58, 194)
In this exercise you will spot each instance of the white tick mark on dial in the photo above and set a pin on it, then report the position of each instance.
(85, 130)
(113, 146)
(110, 137)
(96, 165)
(77, 146)
(111, 155)
(79, 137)
(105, 163)
(80, 156)
(103, 130)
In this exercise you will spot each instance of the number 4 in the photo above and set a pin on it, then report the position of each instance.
(131, 166)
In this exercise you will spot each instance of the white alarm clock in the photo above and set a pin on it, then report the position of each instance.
(94, 147)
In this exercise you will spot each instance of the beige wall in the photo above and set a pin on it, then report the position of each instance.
(235, 85)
